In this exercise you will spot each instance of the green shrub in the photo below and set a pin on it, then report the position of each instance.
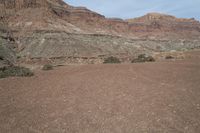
(47, 67)
(143, 58)
(15, 71)
(111, 60)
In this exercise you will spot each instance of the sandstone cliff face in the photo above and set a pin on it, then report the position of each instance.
(155, 22)
(54, 29)
(57, 15)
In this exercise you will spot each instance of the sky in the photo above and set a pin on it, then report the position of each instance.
(135, 8)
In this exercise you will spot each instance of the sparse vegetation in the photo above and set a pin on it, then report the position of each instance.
(169, 57)
(1, 57)
(47, 67)
(111, 60)
(15, 71)
(143, 58)
(18, 56)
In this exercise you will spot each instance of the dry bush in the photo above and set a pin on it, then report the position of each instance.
(111, 60)
(11, 71)
(143, 58)
(47, 67)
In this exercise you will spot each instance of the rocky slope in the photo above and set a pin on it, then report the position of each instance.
(7, 55)
(7, 45)
(52, 29)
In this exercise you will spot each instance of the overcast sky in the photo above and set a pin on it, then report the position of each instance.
(135, 8)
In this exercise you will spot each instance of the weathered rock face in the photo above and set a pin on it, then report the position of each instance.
(55, 15)
(19, 4)
(54, 29)
(161, 23)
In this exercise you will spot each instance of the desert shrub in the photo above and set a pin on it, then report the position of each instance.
(150, 59)
(15, 71)
(169, 57)
(47, 67)
(143, 58)
(1, 57)
(18, 56)
(111, 60)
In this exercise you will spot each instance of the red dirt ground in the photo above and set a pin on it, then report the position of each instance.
(161, 97)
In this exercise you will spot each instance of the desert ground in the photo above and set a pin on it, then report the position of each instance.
(160, 97)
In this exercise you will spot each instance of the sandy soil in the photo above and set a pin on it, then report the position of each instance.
(159, 97)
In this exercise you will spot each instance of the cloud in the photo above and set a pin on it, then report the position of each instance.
(135, 8)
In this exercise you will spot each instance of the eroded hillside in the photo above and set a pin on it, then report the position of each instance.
(52, 29)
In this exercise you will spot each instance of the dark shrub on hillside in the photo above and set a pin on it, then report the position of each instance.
(1, 58)
(15, 71)
(143, 58)
(169, 57)
(47, 67)
(111, 60)
(150, 59)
